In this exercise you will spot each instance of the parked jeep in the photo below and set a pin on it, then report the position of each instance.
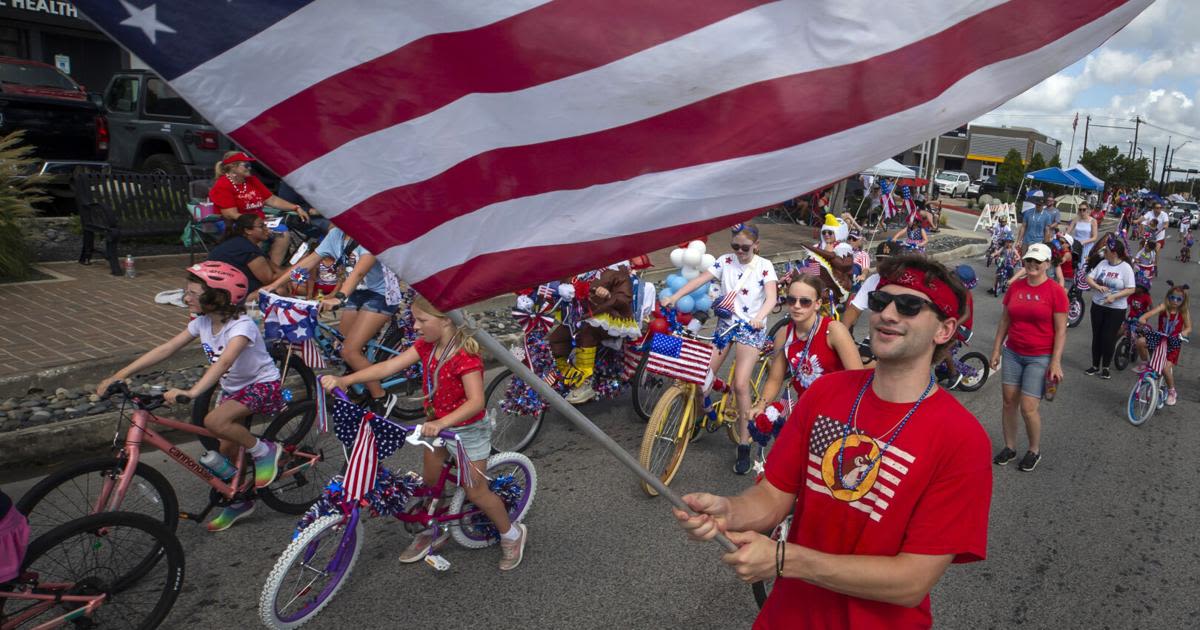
(153, 130)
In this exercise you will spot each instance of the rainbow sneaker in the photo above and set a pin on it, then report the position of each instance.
(230, 515)
(266, 468)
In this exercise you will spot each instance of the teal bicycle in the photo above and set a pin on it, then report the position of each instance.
(1149, 392)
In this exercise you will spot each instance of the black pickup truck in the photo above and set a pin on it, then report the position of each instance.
(66, 129)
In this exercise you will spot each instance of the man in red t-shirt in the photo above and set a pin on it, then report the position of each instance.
(886, 474)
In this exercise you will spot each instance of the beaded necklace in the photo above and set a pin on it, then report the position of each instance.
(812, 332)
(240, 191)
(895, 431)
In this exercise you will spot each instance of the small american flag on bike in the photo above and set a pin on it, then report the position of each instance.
(372, 438)
(293, 321)
(908, 203)
(676, 357)
(1160, 345)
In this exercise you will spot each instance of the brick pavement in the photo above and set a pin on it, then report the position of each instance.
(94, 315)
(89, 316)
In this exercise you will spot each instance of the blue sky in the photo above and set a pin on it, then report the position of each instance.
(1149, 69)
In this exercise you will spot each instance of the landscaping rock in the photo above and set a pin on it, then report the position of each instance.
(40, 417)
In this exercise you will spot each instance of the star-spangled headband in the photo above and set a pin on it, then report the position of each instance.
(938, 292)
(743, 227)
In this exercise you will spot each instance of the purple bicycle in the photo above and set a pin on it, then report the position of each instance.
(327, 541)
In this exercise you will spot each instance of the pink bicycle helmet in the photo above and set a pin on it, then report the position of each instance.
(219, 275)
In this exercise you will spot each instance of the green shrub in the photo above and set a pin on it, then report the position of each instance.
(18, 192)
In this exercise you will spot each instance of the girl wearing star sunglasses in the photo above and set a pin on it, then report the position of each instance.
(810, 346)
(1173, 319)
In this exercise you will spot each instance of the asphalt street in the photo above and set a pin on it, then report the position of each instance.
(1103, 534)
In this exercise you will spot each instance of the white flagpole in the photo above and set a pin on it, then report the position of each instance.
(488, 342)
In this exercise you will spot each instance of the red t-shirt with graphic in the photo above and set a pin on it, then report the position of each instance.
(247, 197)
(1139, 303)
(1031, 316)
(927, 493)
(450, 393)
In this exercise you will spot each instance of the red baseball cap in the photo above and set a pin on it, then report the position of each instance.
(238, 157)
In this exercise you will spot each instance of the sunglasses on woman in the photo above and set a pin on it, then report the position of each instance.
(802, 301)
(906, 304)
(740, 248)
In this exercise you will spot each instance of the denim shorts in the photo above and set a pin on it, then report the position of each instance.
(1027, 371)
(476, 438)
(370, 301)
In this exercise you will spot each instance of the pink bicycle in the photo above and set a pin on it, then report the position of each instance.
(123, 482)
(113, 569)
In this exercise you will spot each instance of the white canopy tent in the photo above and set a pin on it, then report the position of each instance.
(890, 168)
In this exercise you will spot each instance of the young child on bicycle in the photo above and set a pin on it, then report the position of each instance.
(748, 286)
(239, 361)
(1008, 260)
(1145, 262)
(452, 372)
(1173, 319)
(1000, 233)
(1186, 241)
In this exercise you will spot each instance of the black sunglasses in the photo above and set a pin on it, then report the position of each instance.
(740, 248)
(802, 301)
(906, 304)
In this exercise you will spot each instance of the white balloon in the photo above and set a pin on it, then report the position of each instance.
(708, 261)
(689, 272)
(697, 246)
(677, 257)
(692, 258)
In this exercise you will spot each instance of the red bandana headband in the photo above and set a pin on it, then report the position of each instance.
(938, 292)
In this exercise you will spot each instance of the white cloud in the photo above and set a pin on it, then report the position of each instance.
(1054, 94)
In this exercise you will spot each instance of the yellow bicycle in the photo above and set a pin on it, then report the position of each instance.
(680, 417)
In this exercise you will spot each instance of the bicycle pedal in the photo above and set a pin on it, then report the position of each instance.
(437, 562)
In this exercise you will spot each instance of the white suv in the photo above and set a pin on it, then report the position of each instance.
(953, 183)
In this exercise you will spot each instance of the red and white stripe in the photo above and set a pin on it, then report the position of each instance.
(310, 352)
(1158, 360)
(480, 146)
(629, 361)
(892, 468)
(363, 464)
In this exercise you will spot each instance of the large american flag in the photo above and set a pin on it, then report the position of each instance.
(684, 359)
(480, 146)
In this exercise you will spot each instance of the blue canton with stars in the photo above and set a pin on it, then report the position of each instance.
(175, 36)
(389, 437)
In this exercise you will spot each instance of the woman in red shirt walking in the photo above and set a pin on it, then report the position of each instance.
(1033, 331)
(236, 192)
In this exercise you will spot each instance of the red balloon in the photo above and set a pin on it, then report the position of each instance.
(659, 325)
(684, 318)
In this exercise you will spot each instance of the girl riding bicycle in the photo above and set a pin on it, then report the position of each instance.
(1173, 319)
(748, 285)
(239, 362)
(812, 344)
(452, 381)
(912, 236)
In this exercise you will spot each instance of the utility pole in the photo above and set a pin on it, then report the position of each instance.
(1137, 124)
(1087, 123)
(1166, 161)
(1154, 161)
(1071, 153)
(931, 166)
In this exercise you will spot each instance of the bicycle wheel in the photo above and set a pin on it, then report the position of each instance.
(512, 432)
(1143, 401)
(975, 369)
(299, 482)
(666, 437)
(77, 490)
(131, 559)
(1074, 310)
(1122, 353)
(514, 479)
(298, 383)
(648, 387)
(312, 569)
(778, 326)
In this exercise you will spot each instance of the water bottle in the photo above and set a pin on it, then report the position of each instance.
(130, 270)
(218, 465)
(1051, 389)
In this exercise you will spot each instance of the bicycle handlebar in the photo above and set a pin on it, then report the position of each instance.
(145, 402)
(412, 429)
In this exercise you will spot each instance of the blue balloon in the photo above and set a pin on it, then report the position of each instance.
(700, 293)
(685, 304)
(676, 281)
(703, 304)
(666, 293)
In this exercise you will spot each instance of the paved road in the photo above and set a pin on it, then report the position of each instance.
(1103, 533)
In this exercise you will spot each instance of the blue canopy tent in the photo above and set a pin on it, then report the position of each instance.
(1055, 175)
(1089, 181)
